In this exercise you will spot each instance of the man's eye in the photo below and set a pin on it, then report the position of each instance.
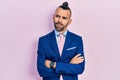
(64, 18)
(57, 16)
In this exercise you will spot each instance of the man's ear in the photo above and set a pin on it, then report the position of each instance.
(70, 21)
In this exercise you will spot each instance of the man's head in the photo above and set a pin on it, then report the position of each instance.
(62, 17)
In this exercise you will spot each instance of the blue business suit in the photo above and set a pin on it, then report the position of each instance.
(48, 49)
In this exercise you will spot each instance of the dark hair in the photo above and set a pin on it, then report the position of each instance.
(66, 7)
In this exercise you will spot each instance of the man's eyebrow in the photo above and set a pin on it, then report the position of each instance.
(65, 17)
(57, 15)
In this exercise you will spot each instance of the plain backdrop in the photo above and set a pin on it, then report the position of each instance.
(22, 22)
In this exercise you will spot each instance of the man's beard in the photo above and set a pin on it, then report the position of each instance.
(59, 29)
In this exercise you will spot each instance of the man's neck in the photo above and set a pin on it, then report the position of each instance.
(60, 32)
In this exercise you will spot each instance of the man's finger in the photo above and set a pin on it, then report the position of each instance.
(77, 55)
(80, 60)
(82, 57)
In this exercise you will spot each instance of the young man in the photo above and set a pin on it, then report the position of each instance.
(60, 53)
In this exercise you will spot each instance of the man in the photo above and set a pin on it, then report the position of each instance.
(60, 53)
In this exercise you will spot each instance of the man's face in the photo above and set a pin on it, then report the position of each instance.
(61, 19)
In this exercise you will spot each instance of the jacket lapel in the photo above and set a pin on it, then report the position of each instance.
(54, 45)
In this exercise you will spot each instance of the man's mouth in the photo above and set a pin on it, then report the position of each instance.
(59, 24)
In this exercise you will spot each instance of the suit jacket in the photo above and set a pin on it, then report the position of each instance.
(48, 49)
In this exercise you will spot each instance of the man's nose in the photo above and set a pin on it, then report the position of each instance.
(60, 20)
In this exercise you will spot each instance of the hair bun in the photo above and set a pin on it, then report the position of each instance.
(65, 4)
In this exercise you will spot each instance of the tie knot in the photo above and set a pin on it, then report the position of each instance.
(61, 35)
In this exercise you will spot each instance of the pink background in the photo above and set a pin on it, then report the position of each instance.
(22, 22)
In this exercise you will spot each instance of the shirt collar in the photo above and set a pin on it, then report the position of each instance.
(57, 33)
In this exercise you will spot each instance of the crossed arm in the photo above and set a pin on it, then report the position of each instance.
(75, 66)
(75, 60)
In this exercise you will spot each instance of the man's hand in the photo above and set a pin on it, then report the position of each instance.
(77, 59)
(47, 63)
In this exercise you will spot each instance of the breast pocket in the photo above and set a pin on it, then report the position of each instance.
(69, 54)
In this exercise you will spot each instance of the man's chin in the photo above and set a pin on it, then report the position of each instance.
(59, 29)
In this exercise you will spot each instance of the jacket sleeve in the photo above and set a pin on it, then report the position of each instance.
(67, 68)
(42, 69)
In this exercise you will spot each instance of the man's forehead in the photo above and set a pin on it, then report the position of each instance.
(61, 11)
